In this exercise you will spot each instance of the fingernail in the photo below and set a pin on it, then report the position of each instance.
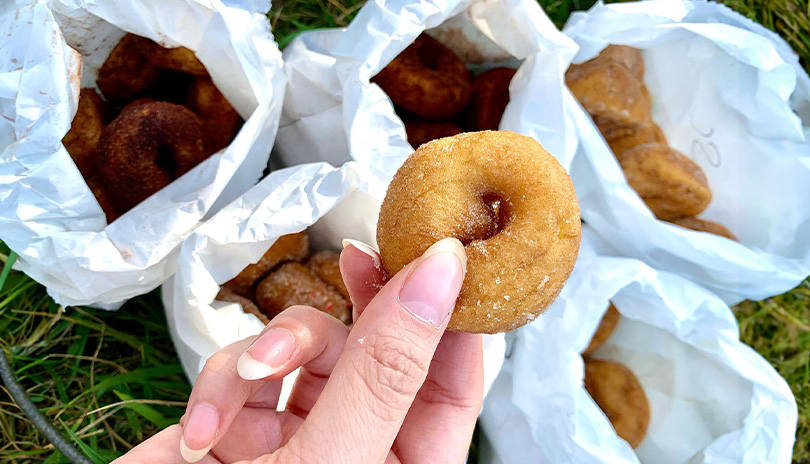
(199, 432)
(364, 248)
(431, 289)
(267, 355)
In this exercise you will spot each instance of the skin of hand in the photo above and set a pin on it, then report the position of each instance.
(396, 389)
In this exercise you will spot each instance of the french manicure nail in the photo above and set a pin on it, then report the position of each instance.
(199, 432)
(267, 355)
(363, 248)
(431, 289)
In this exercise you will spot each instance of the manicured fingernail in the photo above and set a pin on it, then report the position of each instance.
(431, 289)
(199, 432)
(364, 248)
(267, 355)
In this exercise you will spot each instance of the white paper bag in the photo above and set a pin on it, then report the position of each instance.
(47, 213)
(330, 203)
(712, 398)
(731, 96)
(332, 112)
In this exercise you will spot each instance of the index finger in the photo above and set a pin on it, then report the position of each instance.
(384, 363)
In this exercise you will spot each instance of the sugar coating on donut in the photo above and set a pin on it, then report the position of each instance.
(326, 265)
(509, 202)
(619, 394)
(290, 247)
(293, 284)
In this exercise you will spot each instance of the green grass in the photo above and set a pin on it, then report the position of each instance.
(110, 380)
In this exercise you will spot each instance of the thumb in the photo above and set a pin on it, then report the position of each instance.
(384, 363)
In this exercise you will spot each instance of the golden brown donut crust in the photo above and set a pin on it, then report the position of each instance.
(427, 79)
(628, 137)
(608, 324)
(628, 57)
(127, 71)
(293, 284)
(220, 121)
(134, 148)
(610, 94)
(177, 59)
(290, 247)
(618, 393)
(421, 132)
(247, 305)
(509, 202)
(81, 141)
(326, 265)
(703, 225)
(490, 95)
(670, 183)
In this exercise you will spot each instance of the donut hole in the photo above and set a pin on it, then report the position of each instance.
(165, 159)
(429, 57)
(492, 215)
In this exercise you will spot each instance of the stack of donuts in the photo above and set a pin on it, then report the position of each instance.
(436, 96)
(611, 89)
(285, 276)
(614, 387)
(160, 116)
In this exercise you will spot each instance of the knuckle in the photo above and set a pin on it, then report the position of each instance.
(393, 369)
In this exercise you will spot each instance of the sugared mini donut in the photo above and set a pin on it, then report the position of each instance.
(490, 95)
(293, 284)
(290, 247)
(618, 393)
(630, 136)
(247, 305)
(610, 94)
(420, 132)
(127, 71)
(606, 327)
(81, 141)
(427, 79)
(703, 225)
(146, 147)
(628, 57)
(326, 265)
(670, 183)
(220, 121)
(177, 59)
(512, 206)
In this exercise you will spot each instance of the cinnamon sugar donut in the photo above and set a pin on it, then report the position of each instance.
(610, 94)
(293, 284)
(512, 206)
(290, 247)
(628, 57)
(427, 79)
(670, 183)
(177, 59)
(606, 327)
(220, 121)
(630, 136)
(326, 265)
(81, 141)
(247, 305)
(618, 393)
(128, 71)
(490, 95)
(146, 147)
(421, 132)
(703, 225)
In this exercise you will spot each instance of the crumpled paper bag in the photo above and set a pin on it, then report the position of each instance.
(47, 213)
(332, 112)
(732, 96)
(330, 203)
(712, 398)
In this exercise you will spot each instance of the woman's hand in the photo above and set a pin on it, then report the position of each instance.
(394, 389)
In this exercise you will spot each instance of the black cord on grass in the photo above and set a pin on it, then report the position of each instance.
(32, 412)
